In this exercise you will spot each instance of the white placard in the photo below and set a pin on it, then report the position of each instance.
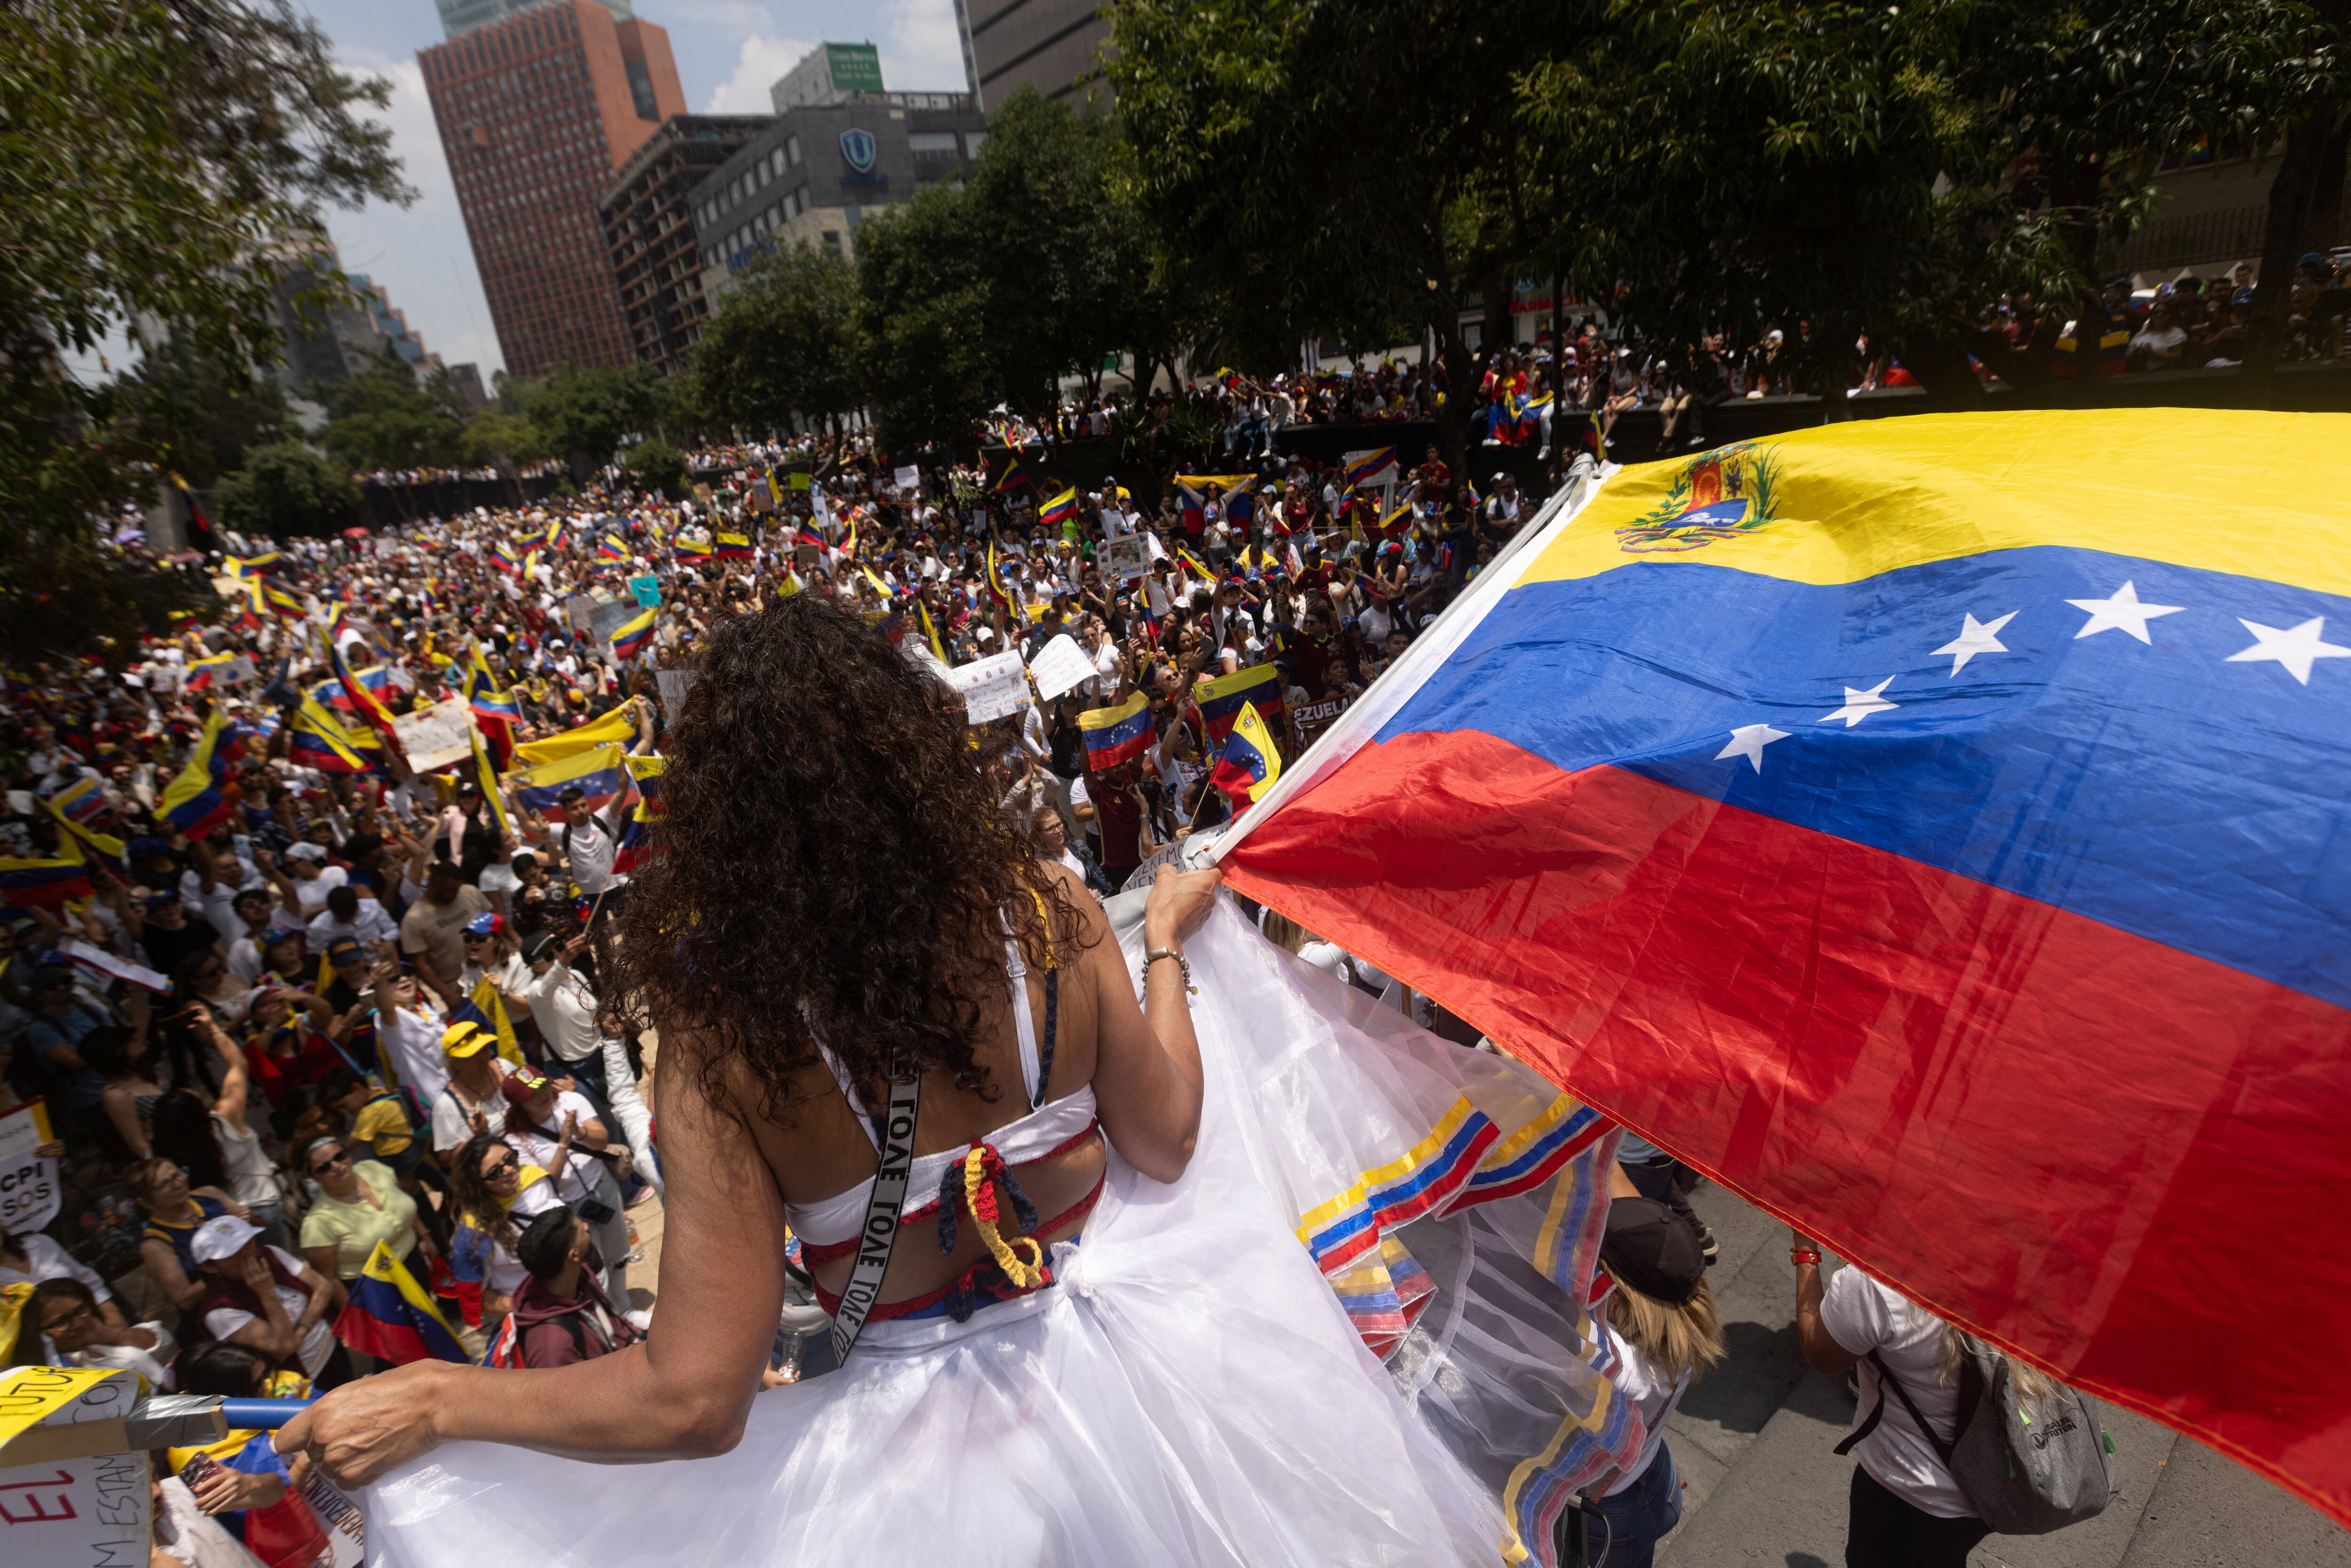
(992, 688)
(100, 961)
(1059, 667)
(439, 735)
(1125, 558)
(29, 1193)
(673, 684)
(910, 478)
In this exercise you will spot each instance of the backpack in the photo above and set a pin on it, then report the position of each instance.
(2024, 1471)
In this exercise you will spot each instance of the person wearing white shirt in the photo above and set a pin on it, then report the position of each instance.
(408, 1030)
(285, 1302)
(313, 878)
(565, 1009)
(348, 914)
(1906, 1508)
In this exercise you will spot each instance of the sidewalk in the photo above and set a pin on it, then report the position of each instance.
(1753, 1440)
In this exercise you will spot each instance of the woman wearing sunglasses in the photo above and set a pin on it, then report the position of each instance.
(498, 1194)
(359, 1204)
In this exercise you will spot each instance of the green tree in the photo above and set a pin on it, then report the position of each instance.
(583, 414)
(150, 150)
(1355, 172)
(383, 418)
(287, 488)
(785, 340)
(200, 415)
(658, 465)
(504, 442)
(933, 371)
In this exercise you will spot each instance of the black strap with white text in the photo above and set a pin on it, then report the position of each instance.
(876, 1236)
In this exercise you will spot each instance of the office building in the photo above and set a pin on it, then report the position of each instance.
(649, 226)
(828, 74)
(459, 18)
(1050, 45)
(536, 112)
(819, 170)
(326, 332)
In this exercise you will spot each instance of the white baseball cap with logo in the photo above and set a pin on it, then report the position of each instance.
(223, 1236)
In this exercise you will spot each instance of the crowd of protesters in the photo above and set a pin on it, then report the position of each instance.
(344, 1008)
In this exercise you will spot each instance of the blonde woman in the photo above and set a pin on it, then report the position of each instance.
(1661, 1315)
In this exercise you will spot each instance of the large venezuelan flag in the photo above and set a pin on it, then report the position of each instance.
(1934, 829)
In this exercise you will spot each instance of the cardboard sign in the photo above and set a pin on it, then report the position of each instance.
(438, 736)
(804, 557)
(1060, 666)
(29, 1193)
(647, 591)
(1126, 556)
(62, 1505)
(992, 688)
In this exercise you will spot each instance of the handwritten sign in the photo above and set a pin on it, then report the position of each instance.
(436, 736)
(60, 1505)
(1059, 667)
(29, 1192)
(992, 688)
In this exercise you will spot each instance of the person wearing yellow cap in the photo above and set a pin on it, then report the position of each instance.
(470, 1104)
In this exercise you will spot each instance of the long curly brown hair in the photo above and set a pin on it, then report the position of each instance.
(832, 854)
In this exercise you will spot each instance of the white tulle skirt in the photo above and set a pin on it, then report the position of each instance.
(1353, 1334)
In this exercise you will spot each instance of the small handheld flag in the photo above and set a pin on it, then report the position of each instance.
(1249, 763)
(1060, 509)
(388, 1315)
(629, 639)
(1116, 734)
(1222, 699)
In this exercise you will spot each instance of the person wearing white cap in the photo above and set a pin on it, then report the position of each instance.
(267, 1298)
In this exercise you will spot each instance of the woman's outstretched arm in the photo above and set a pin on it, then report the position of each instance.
(684, 1391)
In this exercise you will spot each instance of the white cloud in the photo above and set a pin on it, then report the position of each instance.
(419, 253)
(924, 53)
(759, 61)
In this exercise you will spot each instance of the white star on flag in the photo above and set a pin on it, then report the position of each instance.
(2297, 648)
(1859, 704)
(2122, 610)
(1974, 638)
(1748, 741)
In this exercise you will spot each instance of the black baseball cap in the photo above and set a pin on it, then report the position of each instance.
(1652, 1250)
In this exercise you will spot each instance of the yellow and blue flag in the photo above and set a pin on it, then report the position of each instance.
(598, 772)
(1116, 734)
(390, 1317)
(193, 802)
(629, 637)
(1935, 828)
(1249, 763)
(1222, 699)
(619, 727)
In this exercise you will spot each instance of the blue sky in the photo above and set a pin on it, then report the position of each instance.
(727, 52)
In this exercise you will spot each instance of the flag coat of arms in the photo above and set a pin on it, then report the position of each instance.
(1116, 734)
(389, 1315)
(1938, 838)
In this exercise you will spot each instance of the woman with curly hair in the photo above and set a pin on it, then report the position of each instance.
(1089, 1333)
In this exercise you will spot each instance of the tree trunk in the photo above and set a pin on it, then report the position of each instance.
(2313, 147)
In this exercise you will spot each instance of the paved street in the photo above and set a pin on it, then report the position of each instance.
(1753, 1443)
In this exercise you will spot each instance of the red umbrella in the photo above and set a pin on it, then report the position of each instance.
(355, 533)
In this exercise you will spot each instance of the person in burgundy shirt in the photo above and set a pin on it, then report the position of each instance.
(561, 1312)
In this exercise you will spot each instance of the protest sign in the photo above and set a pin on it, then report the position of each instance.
(804, 557)
(647, 590)
(98, 960)
(1126, 556)
(1059, 667)
(610, 618)
(992, 688)
(800, 480)
(29, 1193)
(579, 611)
(75, 1493)
(437, 735)
(673, 684)
(1314, 718)
(909, 479)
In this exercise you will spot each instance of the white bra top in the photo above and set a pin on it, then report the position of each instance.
(829, 1221)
